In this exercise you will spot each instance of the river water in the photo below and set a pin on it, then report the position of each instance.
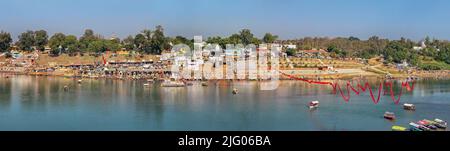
(40, 103)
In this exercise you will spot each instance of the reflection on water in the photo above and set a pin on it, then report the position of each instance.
(40, 103)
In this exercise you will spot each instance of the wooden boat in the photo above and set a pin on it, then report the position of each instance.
(204, 84)
(172, 83)
(66, 88)
(407, 106)
(441, 123)
(414, 127)
(398, 128)
(389, 116)
(435, 124)
(235, 91)
(79, 81)
(427, 124)
(313, 104)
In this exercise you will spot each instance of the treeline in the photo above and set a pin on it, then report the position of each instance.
(434, 55)
(147, 41)
(427, 54)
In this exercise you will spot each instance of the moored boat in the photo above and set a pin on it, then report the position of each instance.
(407, 106)
(313, 104)
(172, 83)
(442, 123)
(389, 115)
(204, 84)
(398, 128)
(427, 124)
(235, 91)
(414, 127)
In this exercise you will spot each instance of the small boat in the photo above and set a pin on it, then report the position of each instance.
(424, 128)
(172, 83)
(398, 128)
(146, 84)
(427, 124)
(434, 123)
(414, 127)
(66, 88)
(204, 84)
(407, 106)
(313, 104)
(79, 81)
(235, 91)
(442, 123)
(189, 83)
(150, 80)
(389, 116)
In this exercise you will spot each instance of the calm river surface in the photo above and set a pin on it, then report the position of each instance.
(40, 103)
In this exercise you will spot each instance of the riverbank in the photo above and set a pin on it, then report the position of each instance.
(129, 67)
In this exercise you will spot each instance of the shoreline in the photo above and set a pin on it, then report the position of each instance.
(282, 77)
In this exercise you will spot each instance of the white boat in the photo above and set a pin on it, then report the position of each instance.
(313, 104)
(442, 123)
(235, 91)
(389, 115)
(407, 106)
(172, 83)
(146, 84)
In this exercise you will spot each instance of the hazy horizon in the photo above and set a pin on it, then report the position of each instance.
(413, 19)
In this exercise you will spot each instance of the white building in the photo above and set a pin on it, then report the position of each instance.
(290, 46)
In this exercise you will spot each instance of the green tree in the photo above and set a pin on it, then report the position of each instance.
(71, 44)
(128, 43)
(41, 39)
(87, 38)
(139, 41)
(233, 39)
(5, 41)
(246, 36)
(351, 38)
(158, 41)
(395, 52)
(290, 52)
(269, 38)
(26, 41)
(57, 43)
(96, 46)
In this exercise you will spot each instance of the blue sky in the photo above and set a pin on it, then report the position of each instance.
(289, 19)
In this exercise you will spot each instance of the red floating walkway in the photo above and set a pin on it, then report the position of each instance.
(349, 85)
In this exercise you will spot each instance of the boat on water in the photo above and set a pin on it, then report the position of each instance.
(235, 91)
(79, 81)
(313, 104)
(150, 80)
(407, 106)
(389, 116)
(146, 84)
(172, 83)
(398, 128)
(189, 83)
(204, 84)
(414, 127)
(438, 125)
(66, 88)
(427, 124)
(441, 123)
